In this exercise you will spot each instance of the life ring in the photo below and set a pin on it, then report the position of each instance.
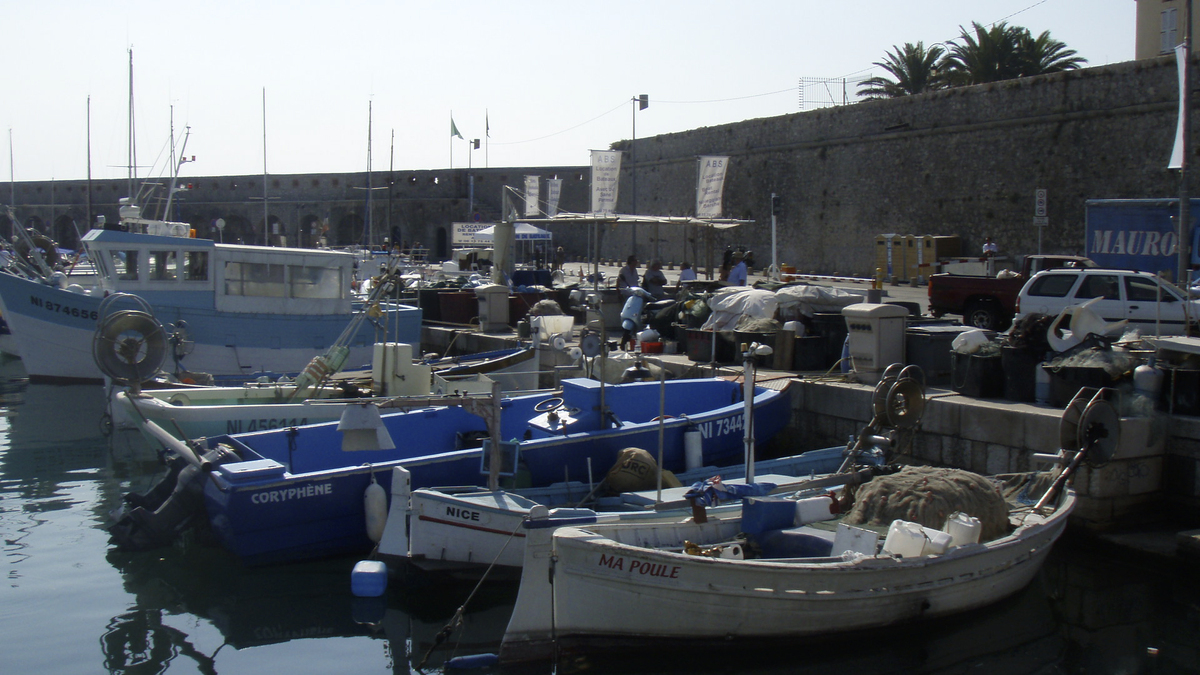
(47, 245)
(549, 405)
(129, 346)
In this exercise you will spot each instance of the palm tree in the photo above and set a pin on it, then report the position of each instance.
(1044, 54)
(915, 69)
(990, 55)
(1005, 52)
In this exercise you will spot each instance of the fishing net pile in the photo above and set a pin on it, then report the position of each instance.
(930, 495)
(546, 308)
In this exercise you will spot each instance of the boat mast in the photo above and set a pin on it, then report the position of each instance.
(132, 142)
(266, 224)
(89, 162)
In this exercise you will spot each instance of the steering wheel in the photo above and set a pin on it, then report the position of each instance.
(549, 404)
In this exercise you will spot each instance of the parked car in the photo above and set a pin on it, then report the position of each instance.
(989, 302)
(1149, 303)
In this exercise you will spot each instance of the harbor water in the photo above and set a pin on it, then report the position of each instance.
(72, 603)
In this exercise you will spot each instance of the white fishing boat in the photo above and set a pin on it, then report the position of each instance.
(232, 310)
(195, 412)
(773, 573)
(617, 583)
(465, 533)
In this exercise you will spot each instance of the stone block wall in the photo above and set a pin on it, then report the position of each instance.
(991, 437)
(964, 161)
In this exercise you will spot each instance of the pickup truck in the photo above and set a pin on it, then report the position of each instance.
(991, 302)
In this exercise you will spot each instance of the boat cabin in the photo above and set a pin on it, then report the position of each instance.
(240, 278)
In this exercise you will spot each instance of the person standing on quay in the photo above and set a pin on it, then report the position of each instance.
(737, 275)
(627, 278)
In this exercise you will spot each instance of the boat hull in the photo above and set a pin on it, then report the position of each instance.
(298, 495)
(54, 329)
(459, 533)
(605, 592)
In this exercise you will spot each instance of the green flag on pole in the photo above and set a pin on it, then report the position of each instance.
(454, 129)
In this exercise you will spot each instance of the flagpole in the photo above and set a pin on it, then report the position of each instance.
(452, 139)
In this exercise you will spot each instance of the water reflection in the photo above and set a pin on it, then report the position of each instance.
(272, 605)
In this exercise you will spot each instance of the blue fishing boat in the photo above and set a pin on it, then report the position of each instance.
(294, 493)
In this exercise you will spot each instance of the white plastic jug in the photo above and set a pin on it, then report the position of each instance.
(963, 529)
(904, 539)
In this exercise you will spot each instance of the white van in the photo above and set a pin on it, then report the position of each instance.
(1150, 304)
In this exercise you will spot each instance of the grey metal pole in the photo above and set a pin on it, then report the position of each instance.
(1184, 199)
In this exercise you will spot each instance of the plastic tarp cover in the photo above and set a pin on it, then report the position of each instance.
(806, 300)
(729, 305)
(712, 491)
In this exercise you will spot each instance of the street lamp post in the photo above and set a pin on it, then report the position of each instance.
(640, 102)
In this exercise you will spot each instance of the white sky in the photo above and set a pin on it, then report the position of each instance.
(554, 78)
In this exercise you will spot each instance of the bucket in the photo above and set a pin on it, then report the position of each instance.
(963, 529)
(904, 539)
(814, 509)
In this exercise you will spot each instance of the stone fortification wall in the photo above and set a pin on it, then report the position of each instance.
(959, 162)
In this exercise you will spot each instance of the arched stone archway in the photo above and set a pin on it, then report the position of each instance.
(348, 230)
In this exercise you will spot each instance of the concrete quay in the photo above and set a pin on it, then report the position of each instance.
(1146, 497)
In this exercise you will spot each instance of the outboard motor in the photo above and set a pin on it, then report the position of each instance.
(164, 512)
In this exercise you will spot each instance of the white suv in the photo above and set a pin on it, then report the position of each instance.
(1151, 305)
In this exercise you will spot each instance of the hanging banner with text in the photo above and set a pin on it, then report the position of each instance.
(1181, 68)
(606, 169)
(553, 192)
(710, 183)
(531, 197)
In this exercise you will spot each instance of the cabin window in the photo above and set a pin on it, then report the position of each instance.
(262, 280)
(197, 266)
(163, 266)
(125, 265)
(315, 282)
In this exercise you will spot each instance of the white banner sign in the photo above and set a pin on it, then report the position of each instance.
(606, 169)
(531, 196)
(710, 183)
(1181, 65)
(553, 192)
(464, 234)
